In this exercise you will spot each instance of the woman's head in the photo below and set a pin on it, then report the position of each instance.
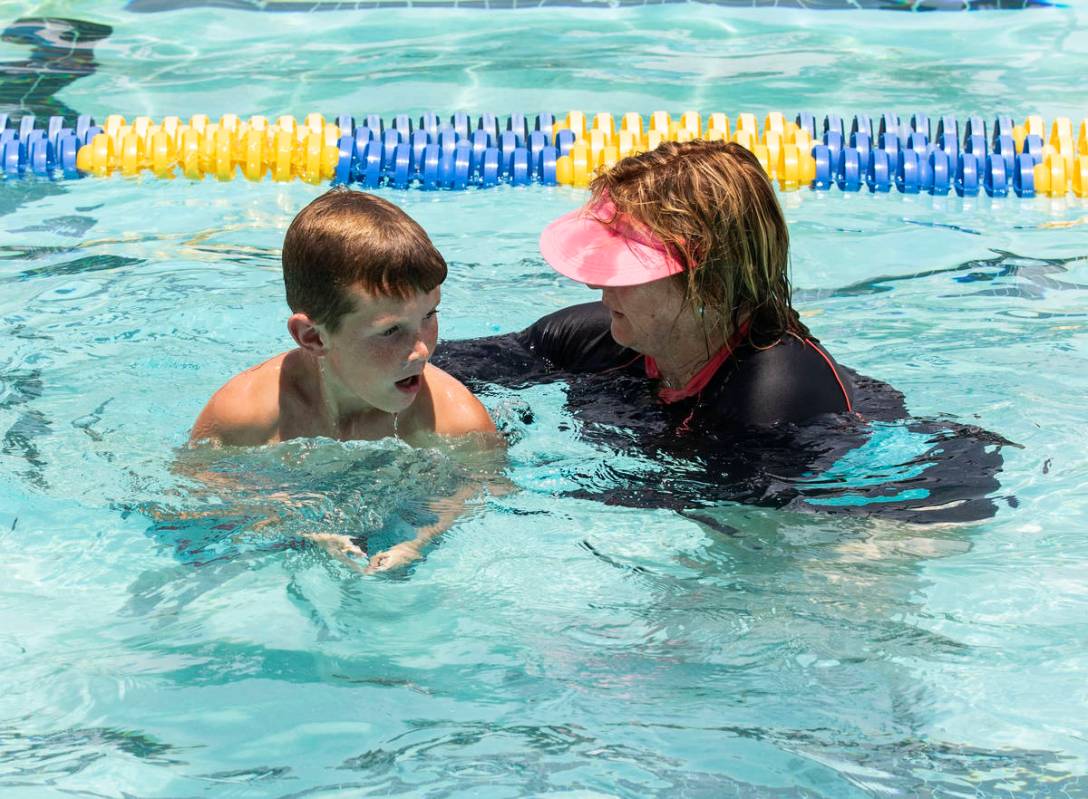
(704, 216)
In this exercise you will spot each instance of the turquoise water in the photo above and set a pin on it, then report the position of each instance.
(157, 639)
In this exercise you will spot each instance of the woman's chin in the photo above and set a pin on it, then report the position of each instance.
(621, 334)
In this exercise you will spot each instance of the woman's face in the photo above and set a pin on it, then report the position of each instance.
(645, 317)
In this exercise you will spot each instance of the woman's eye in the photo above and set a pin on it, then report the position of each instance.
(391, 331)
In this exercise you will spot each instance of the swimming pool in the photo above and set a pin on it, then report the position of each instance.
(154, 643)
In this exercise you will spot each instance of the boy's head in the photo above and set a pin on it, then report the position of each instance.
(346, 239)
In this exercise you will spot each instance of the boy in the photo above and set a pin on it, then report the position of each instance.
(362, 282)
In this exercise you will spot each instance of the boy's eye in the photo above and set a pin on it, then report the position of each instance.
(432, 314)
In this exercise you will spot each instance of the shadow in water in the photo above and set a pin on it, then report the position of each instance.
(1020, 275)
(18, 389)
(61, 52)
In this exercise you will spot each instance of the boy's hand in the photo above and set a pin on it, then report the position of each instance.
(340, 545)
(394, 557)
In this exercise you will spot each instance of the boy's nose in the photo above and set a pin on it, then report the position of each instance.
(420, 352)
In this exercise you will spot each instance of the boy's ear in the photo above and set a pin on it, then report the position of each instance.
(307, 334)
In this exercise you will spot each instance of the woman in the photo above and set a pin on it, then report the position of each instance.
(695, 351)
(690, 250)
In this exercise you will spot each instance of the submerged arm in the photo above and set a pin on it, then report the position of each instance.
(486, 480)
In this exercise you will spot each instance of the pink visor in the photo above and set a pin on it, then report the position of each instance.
(585, 249)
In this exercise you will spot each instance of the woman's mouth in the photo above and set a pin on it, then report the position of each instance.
(409, 385)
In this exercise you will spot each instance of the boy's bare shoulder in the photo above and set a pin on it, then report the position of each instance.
(456, 410)
(246, 410)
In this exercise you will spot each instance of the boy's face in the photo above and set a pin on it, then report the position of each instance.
(379, 351)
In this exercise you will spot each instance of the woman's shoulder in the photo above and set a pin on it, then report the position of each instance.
(790, 380)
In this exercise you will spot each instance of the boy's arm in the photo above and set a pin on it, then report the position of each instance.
(241, 413)
(448, 510)
(227, 422)
(457, 413)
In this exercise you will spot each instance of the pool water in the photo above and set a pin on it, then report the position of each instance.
(165, 636)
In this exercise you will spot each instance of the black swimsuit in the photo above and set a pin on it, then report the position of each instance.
(759, 428)
(790, 380)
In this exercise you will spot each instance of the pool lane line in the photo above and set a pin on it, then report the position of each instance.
(912, 154)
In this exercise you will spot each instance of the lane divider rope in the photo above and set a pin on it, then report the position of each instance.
(910, 154)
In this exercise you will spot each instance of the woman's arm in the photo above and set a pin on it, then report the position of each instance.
(571, 340)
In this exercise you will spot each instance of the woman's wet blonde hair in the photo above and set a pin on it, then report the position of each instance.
(712, 205)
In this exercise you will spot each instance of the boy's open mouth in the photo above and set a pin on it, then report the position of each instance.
(408, 384)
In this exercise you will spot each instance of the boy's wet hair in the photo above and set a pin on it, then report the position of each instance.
(347, 238)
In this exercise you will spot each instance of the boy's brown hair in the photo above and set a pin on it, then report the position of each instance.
(348, 238)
